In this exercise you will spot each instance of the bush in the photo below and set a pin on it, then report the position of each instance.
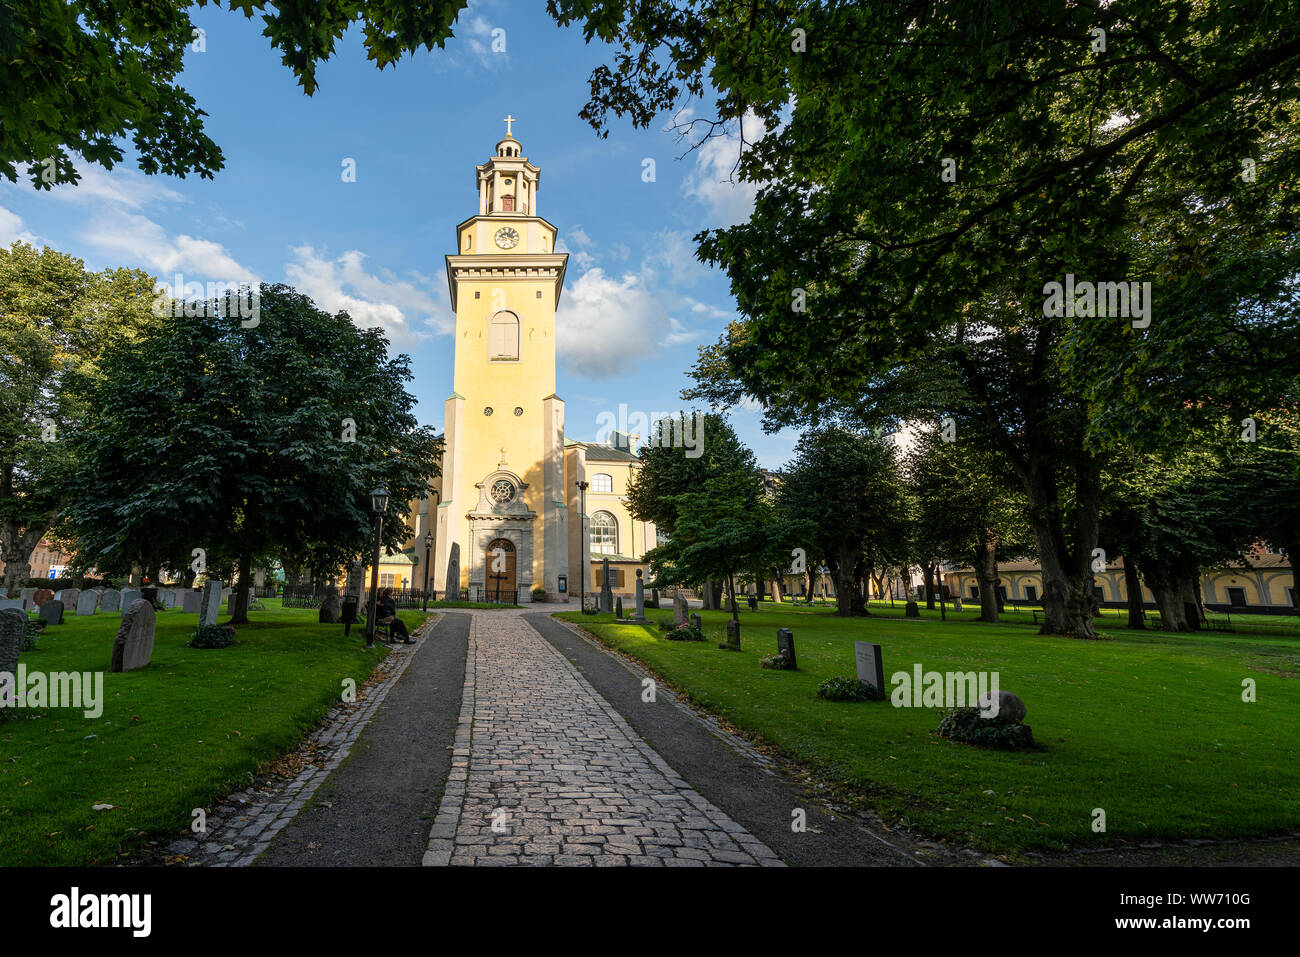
(211, 636)
(539, 594)
(686, 632)
(34, 628)
(846, 688)
(777, 662)
(966, 725)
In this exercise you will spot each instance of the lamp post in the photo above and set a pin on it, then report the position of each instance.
(428, 547)
(582, 545)
(378, 505)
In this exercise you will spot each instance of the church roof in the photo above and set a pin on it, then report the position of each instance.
(607, 453)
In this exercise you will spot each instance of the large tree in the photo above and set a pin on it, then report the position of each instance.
(207, 434)
(55, 320)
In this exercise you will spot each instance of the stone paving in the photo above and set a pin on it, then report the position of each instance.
(546, 772)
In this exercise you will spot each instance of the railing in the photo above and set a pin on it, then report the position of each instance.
(311, 596)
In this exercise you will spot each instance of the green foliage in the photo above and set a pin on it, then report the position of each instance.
(211, 636)
(686, 632)
(33, 633)
(845, 688)
(966, 725)
(539, 593)
(776, 662)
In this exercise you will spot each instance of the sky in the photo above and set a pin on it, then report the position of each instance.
(636, 304)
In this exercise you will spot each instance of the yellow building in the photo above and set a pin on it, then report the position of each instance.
(501, 517)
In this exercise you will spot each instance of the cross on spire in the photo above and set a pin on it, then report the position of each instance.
(508, 121)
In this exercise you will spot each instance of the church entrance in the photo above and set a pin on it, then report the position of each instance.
(500, 566)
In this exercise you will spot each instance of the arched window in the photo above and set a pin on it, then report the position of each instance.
(503, 336)
(604, 534)
(600, 482)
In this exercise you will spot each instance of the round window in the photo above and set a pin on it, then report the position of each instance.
(488, 410)
(519, 410)
(503, 492)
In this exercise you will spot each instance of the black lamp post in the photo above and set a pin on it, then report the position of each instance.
(582, 545)
(428, 547)
(378, 505)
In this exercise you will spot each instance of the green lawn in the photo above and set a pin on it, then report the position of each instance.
(191, 727)
(1149, 726)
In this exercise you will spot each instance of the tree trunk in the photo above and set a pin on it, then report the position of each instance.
(16, 547)
(776, 586)
(1068, 599)
(1133, 592)
(1168, 593)
(927, 574)
(239, 611)
(986, 573)
(731, 596)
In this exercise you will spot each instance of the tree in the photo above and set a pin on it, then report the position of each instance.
(210, 435)
(55, 320)
(842, 496)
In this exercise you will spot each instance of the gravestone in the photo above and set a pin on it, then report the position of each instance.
(211, 606)
(696, 623)
(168, 596)
(69, 597)
(785, 645)
(912, 610)
(13, 630)
(331, 609)
(871, 669)
(111, 600)
(606, 592)
(451, 584)
(618, 607)
(129, 595)
(42, 596)
(679, 609)
(52, 612)
(87, 603)
(133, 646)
(27, 595)
(7, 603)
(640, 599)
(1010, 707)
(190, 601)
(732, 642)
(956, 602)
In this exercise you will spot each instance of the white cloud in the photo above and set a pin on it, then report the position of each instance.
(138, 241)
(679, 334)
(729, 201)
(675, 251)
(122, 188)
(604, 324)
(403, 308)
(11, 229)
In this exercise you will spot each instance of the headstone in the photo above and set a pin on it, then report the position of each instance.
(871, 669)
(168, 596)
(69, 597)
(956, 602)
(640, 599)
(42, 596)
(211, 606)
(753, 603)
(13, 630)
(733, 634)
(451, 584)
(52, 612)
(912, 610)
(331, 609)
(190, 601)
(618, 607)
(606, 592)
(785, 645)
(679, 609)
(27, 595)
(696, 623)
(1010, 706)
(111, 600)
(129, 595)
(87, 603)
(133, 646)
(14, 603)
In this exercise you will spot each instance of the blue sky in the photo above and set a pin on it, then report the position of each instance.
(636, 304)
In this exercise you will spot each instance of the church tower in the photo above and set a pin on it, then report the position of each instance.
(503, 486)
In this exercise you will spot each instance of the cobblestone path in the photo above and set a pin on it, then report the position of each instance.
(545, 772)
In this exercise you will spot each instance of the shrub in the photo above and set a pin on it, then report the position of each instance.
(845, 688)
(211, 636)
(686, 632)
(539, 594)
(966, 725)
(34, 628)
(777, 662)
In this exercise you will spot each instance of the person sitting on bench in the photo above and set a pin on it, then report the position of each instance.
(386, 614)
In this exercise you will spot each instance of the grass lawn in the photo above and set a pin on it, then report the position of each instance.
(191, 727)
(1149, 726)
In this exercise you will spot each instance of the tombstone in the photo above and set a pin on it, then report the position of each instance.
(451, 584)
(912, 610)
(190, 601)
(785, 645)
(696, 623)
(618, 607)
(69, 597)
(211, 605)
(87, 603)
(679, 609)
(956, 602)
(111, 600)
(129, 595)
(7, 603)
(640, 599)
(168, 596)
(133, 646)
(753, 603)
(871, 669)
(733, 635)
(331, 609)
(13, 631)
(606, 592)
(27, 595)
(52, 612)
(42, 596)
(1010, 706)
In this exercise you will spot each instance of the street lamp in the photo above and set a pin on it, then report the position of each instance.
(582, 545)
(428, 547)
(378, 505)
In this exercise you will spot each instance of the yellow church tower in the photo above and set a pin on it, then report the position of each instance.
(501, 523)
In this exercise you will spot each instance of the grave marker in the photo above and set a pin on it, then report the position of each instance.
(133, 646)
(871, 670)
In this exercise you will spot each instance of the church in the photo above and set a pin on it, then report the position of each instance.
(507, 514)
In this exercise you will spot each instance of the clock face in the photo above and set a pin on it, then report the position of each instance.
(507, 237)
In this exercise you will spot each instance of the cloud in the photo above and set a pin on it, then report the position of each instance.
(121, 188)
(11, 229)
(675, 251)
(679, 334)
(406, 309)
(137, 240)
(729, 201)
(605, 324)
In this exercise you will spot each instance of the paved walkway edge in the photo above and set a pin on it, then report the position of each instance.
(442, 836)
